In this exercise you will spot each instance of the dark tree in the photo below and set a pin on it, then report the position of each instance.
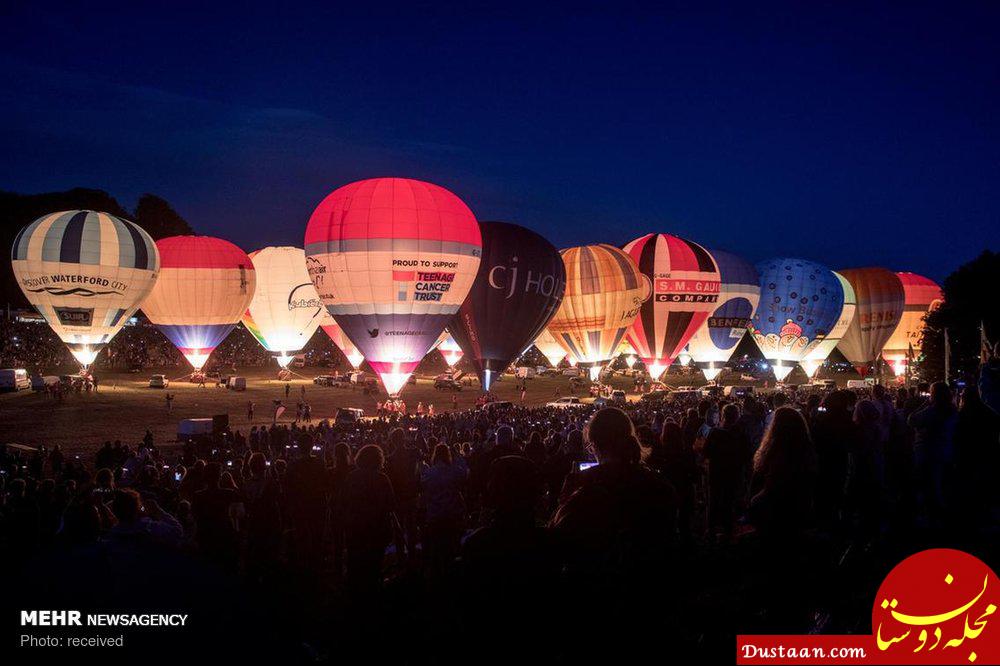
(159, 219)
(971, 299)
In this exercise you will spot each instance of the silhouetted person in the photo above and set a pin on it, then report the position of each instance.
(933, 450)
(728, 453)
(368, 520)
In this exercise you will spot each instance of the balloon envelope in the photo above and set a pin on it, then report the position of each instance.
(685, 284)
(332, 330)
(450, 350)
(204, 288)
(86, 273)
(550, 348)
(818, 354)
(285, 309)
(922, 295)
(800, 302)
(518, 289)
(739, 293)
(604, 290)
(392, 260)
(881, 299)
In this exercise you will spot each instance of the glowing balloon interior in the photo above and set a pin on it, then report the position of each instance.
(739, 293)
(449, 349)
(285, 309)
(685, 289)
(800, 302)
(392, 260)
(347, 347)
(881, 299)
(922, 297)
(86, 273)
(604, 290)
(204, 289)
(815, 358)
(550, 348)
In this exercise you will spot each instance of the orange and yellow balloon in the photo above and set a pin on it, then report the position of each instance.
(922, 295)
(604, 291)
(880, 298)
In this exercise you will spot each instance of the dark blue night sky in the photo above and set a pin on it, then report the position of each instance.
(831, 131)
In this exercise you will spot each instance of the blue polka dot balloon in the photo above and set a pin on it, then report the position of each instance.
(800, 301)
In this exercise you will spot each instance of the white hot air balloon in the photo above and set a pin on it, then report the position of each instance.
(86, 272)
(550, 348)
(285, 309)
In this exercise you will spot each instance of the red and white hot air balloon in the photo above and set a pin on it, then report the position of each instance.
(204, 288)
(449, 349)
(922, 295)
(347, 347)
(685, 282)
(392, 259)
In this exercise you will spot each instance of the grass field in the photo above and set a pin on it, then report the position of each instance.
(125, 406)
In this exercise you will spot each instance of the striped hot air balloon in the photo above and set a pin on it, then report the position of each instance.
(332, 330)
(204, 289)
(739, 293)
(685, 284)
(800, 302)
(881, 299)
(604, 291)
(819, 353)
(550, 348)
(392, 260)
(285, 309)
(86, 272)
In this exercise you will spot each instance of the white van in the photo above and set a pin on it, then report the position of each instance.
(14, 379)
(524, 372)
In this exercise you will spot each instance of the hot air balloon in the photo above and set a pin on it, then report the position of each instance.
(285, 309)
(881, 300)
(204, 288)
(550, 348)
(604, 291)
(519, 287)
(800, 302)
(347, 347)
(392, 260)
(86, 272)
(450, 350)
(739, 293)
(685, 284)
(922, 296)
(818, 354)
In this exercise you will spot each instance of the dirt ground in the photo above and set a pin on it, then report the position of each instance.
(125, 406)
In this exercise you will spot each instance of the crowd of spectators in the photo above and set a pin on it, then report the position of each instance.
(569, 534)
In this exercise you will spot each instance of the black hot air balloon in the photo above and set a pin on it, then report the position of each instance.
(518, 288)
